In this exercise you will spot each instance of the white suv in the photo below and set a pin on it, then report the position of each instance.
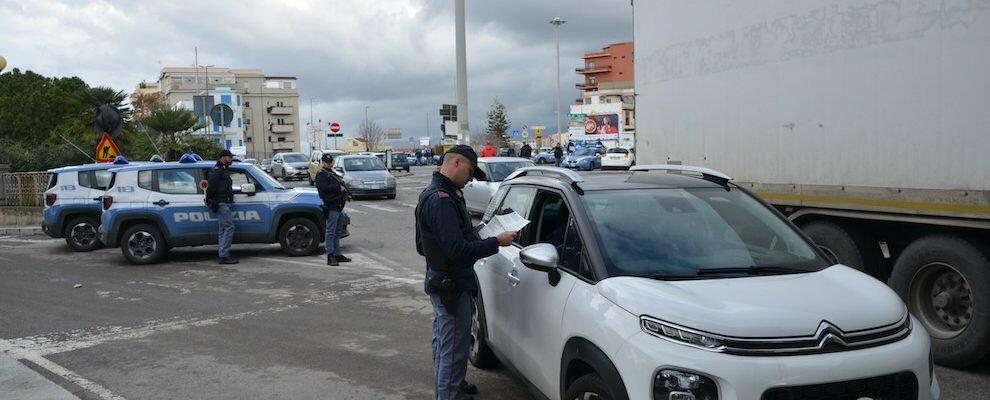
(679, 286)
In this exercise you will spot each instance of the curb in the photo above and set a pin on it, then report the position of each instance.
(20, 230)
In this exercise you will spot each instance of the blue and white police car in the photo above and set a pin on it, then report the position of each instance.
(72, 203)
(150, 208)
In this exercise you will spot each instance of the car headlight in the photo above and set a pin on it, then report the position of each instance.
(355, 182)
(290, 168)
(680, 335)
(672, 384)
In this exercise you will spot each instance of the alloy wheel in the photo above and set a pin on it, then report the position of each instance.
(83, 234)
(141, 244)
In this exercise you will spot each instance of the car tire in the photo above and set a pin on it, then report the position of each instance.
(299, 237)
(845, 245)
(82, 234)
(480, 354)
(391, 197)
(540, 161)
(589, 386)
(143, 244)
(960, 270)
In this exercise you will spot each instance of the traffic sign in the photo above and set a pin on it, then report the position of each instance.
(106, 150)
(515, 133)
(334, 127)
(222, 114)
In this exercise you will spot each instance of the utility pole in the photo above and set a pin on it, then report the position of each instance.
(462, 101)
(312, 128)
(557, 22)
(367, 130)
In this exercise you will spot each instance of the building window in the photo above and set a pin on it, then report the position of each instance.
(593, 80)
(281, 139)
(229, 143)
(247, 121)
(591, 65)
(225, 99)
(247, 139)
(240, 142)
(238, 100)
(238, 122)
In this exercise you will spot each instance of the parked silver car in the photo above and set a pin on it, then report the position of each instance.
(477, 194)
(290, 166)
(365, 175)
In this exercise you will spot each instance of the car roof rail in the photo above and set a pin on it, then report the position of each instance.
(706, 173)
(566, 175)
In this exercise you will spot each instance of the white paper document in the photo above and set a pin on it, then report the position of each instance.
(503, 223)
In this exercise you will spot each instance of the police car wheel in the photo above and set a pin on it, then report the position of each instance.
(299, 237)
(81, 234)
(142, 244)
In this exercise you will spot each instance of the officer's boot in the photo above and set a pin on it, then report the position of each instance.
(332, 261)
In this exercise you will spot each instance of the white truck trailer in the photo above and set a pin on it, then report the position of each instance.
(866, 122)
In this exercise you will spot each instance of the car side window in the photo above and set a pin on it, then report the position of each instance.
(145, 181)
(178, 181)
(553, 217)
(572, 252)
(520, 200)
(240, 177)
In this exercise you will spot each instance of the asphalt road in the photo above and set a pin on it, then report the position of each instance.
(271, 327)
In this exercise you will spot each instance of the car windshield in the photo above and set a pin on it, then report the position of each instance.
(293, 158)
(364, 164)
(263, 176)
(584, 151)
(617, 150)
(678, 232)
(497, 172)
(266, 162)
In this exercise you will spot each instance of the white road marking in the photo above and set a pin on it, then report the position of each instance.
(380, 258)
(409, 205)
(59, 370)
(351, 210)
(380, 208)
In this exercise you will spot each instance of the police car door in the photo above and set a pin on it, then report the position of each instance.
(496, 273)
(252, 214)
(92, 185)
(178, 199)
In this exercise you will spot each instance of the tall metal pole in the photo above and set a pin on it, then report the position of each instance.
(312, 128)
(557, 22)
(367, 130)
(462, 101)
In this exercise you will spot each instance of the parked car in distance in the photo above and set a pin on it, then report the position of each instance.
(584, 158)
(674, 283)
(290, 166)
(266, 165)
(618, 158)
(316, 163)
(477, 194)
(400, 162)
(365, 176)
(253, 161)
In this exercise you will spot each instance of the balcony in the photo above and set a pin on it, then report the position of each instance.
(283, 145)
(280, 110)
(282, 128)
(589, 86)
(595, 70)
(596, 55)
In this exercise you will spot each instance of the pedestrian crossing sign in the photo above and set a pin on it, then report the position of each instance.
(106, 150)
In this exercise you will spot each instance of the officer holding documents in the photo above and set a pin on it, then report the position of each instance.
(446, 237)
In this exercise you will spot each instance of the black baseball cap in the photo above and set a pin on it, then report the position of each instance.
(225, 153)
(468, 152)
(327, 157)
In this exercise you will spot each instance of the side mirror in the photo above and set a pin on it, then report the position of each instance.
(248, 189)
(542, 257)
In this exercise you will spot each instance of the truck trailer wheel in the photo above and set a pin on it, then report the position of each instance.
(845, 245)
(945, 281)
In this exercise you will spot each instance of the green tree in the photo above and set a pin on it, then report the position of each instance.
(498, 124)
(169, 127)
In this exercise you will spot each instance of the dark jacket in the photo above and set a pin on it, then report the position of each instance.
(558, 152)
(219, 188)
(526, 151)
(328, 185)
(442, 220)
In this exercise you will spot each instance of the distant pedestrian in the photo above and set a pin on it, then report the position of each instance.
(334, 194)
(558, 154)
(526, 151)
(510, 152)
(570, 147)
(419, 157)
(220, 199)
(446, 238)
(489, 150)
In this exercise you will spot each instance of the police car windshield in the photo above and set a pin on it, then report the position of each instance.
(364, 164)
(264, 177)
(679, 232)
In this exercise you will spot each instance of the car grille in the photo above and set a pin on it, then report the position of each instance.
(827, 339)
(899, 386)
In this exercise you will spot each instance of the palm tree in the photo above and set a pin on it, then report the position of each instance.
(170, 123)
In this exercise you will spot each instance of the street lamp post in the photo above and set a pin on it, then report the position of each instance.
(557, 22)
(312, 128)
(461, 52)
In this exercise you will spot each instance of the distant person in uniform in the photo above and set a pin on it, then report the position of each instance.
(558, 154)
(510, 152)
(220, 199)
(334, 195)
(526, 151)
(570, 147)
(446, 238)
(419, 157)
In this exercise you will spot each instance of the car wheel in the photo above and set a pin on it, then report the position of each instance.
(945, 282)
(143, 244)
(299, 237)
(540, 161)
(391, 197)
(481, 355)
(589, 387)
(81, 234)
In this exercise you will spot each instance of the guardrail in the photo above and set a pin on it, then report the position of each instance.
(25, 189)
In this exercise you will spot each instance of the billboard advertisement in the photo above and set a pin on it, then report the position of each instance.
(595, 127)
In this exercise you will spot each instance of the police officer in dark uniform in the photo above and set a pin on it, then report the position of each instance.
(220, 199)
(446, 237)
(334, 194)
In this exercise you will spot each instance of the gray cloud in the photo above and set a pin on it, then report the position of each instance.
(395, 56)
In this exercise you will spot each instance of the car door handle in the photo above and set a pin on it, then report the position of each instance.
(161, 203)
(97, 198)
(513, 278)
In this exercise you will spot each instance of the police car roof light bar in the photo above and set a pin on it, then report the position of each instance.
(120, 160)
(188, 158)
(566, 175)
(706, 173)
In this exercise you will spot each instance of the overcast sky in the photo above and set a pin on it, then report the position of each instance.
(396, 56)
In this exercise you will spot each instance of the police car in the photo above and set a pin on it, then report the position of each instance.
(72, 203)
(151, 208)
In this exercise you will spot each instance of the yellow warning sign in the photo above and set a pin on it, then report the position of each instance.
(106, 150)
(539, 133)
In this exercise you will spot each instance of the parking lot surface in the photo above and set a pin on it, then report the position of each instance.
(271, 327)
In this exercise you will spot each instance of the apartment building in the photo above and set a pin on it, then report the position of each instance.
(606, 110)
(266, 108)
